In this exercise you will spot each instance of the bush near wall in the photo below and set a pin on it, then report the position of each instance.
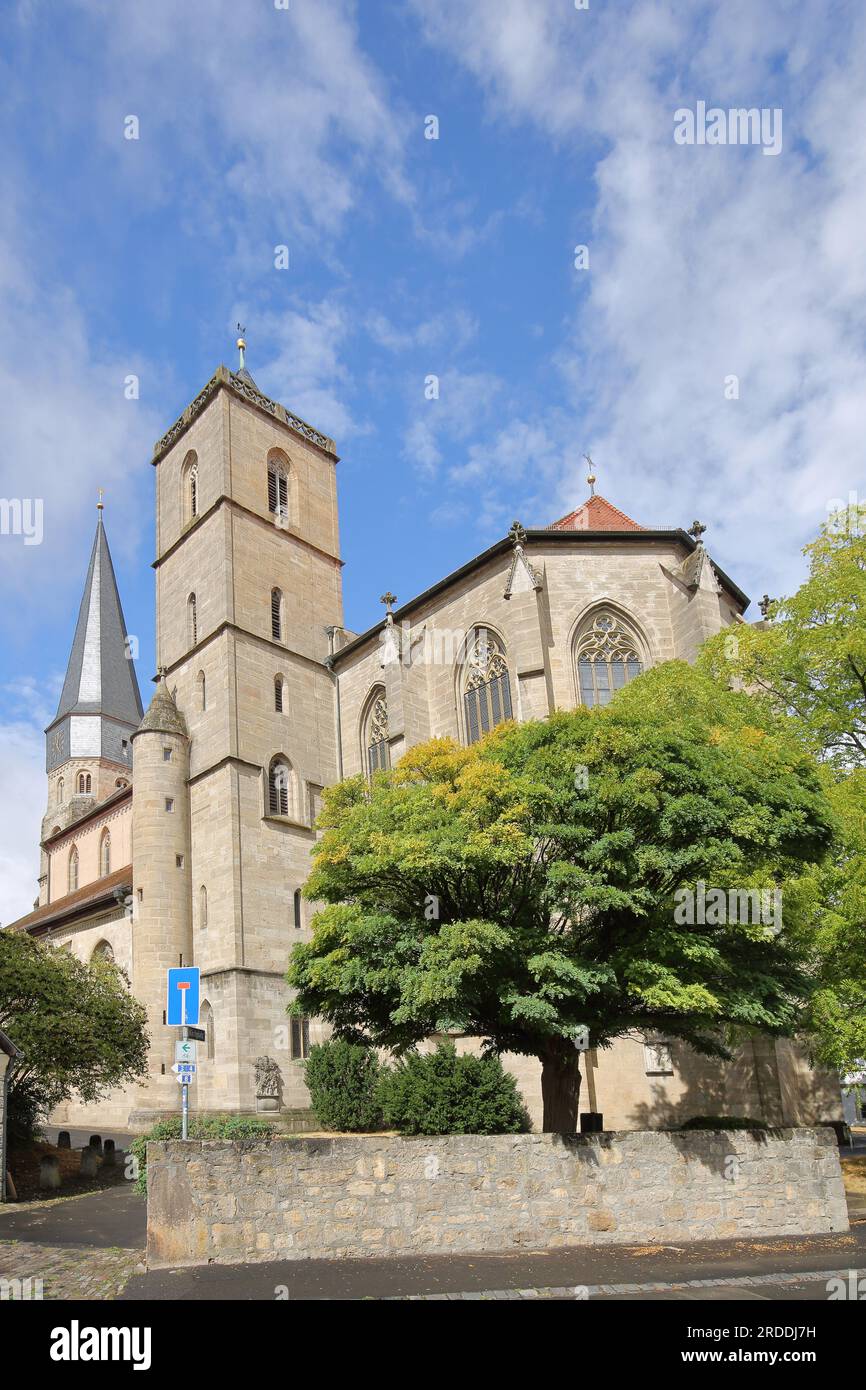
(343, 1079)
(200, 1127)
(443, 1093)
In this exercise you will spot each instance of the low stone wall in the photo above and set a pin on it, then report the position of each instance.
(294, 1198)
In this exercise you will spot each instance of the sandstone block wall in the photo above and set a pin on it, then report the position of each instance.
(300, 1198)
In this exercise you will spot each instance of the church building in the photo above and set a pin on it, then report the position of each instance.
(182, 835)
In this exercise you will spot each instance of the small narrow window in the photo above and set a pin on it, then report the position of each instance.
(178, 859)
(277, 615)
(278, 694)
(169, 803)
(202, 691)
(192, 619)
(193, 490)
(166, 755)
(300, 1042)
(72, 872)
(297, 908)
(60, 791)
(105, 854)
(278, 490)
(202, 906)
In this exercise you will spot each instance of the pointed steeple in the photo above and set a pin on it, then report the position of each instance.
(100, 699)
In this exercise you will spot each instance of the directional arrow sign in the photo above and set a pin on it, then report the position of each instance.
(185, 1051)
(184, 1068)
(185, 1078)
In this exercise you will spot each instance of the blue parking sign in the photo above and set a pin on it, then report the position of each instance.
(183, 996)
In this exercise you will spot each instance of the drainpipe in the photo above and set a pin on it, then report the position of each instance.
(329, 662)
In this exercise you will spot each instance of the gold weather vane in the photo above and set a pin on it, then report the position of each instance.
(241, 345)
(591, 475)
(101, 492)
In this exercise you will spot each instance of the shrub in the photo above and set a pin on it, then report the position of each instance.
(443, 1093)
(343, 1080)
(200, 1127)
(723, 1122)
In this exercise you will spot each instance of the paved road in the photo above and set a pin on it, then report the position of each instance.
(115, 1216)
(756, 1267)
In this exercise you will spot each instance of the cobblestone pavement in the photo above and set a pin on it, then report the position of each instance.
(65, 1271)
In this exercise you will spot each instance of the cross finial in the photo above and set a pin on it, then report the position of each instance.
(590, 478)
(517, 534)
(697, 529)
(389, 600)
(765, 606)
(241, 344)
(101, 492)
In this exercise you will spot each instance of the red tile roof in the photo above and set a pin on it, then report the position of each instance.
(596, 514)
(92, 895)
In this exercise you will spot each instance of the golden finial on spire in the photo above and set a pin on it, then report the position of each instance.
(591, 475)
(101, 491)
(241, 345)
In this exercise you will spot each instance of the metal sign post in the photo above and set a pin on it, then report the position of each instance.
(182, 1010)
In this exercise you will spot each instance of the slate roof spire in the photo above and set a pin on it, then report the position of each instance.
(100, 677)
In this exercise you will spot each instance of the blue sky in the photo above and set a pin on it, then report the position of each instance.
(305, 127)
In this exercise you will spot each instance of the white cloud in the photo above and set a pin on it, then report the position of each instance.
(705, 262)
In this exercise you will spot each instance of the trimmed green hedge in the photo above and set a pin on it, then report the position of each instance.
(343, 1079)
(443, 1093)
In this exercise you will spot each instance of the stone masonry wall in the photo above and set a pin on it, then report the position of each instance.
(298, 1198)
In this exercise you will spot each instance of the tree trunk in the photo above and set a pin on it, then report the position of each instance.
(560, 1090)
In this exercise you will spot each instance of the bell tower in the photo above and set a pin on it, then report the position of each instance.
(248, 578)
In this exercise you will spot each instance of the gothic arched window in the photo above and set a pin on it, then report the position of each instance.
(192, 619)
(281, 801)
(278, 488)
(103, 951)
(377, 749)
(105, 854)
(608, 656)
(297, 909)
(277, 615)
(84, 783)
(72, 871)
(279, 689)
(202, 906)
(486, 684)
(206, 1019)
(201, 683)
(60, 791)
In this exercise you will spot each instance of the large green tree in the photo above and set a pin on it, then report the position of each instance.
(524, 887)
(810, 660)
(79, 1029)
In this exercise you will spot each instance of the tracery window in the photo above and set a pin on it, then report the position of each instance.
(376, 734)
(608, 657)
(103, 951)
(105, 854)
(72, 871)
(486, 685)
(84, 783)
(190, 488)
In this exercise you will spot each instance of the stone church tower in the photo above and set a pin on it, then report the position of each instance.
(248, 584)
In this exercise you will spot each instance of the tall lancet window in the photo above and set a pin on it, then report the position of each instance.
(72, 871)
(278, 489)
(486, 684)
(607, 656)
(280, 789)
(277, 615)
(279, 688)
(105, 854)
(376, 733)
(60, 791)
(189, 476)
(192, 619)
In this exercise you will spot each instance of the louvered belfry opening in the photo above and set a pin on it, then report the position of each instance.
(276, 615)
(278, 789)
(278, 491)
(487, 693)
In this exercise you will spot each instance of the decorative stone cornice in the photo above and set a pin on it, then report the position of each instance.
(248, 392)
